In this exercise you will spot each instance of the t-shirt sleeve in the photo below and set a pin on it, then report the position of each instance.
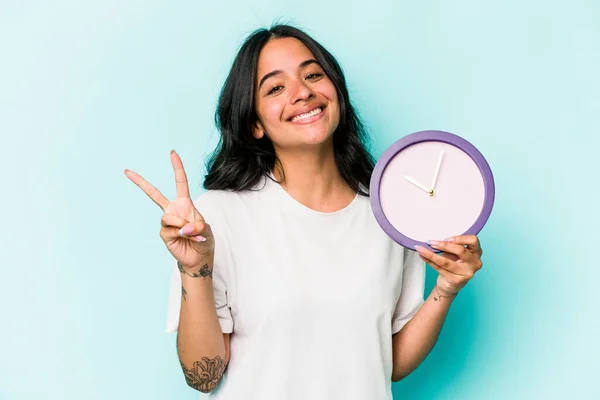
(220, 278)
(413, 288)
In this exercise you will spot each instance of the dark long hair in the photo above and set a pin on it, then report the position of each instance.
(240, 160)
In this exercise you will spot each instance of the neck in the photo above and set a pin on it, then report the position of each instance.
(313, 179)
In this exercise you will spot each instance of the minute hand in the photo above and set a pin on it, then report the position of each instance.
(437, 170)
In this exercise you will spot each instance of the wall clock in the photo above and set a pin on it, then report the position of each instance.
(431, 185)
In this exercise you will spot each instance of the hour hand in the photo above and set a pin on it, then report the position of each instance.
(417, 184)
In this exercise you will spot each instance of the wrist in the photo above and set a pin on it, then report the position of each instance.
(440, 293)
(197, 271)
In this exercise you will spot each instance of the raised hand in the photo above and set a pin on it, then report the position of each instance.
(183, 229)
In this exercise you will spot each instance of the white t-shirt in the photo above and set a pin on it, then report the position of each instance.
(311, 299)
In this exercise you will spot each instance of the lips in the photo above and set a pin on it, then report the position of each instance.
(307, 113)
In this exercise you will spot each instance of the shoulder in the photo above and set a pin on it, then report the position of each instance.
(211, 199)
(215, 203)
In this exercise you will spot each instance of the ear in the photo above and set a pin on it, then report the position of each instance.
(258, 131)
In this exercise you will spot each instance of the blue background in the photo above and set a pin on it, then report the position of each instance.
(88, 88)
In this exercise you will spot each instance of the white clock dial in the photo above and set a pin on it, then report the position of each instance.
(457, 199)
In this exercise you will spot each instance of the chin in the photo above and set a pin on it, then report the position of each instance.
(317, 136)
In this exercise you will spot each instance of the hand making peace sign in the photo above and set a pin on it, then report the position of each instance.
(184, 231)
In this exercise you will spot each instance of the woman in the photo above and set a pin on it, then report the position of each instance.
(283, 278)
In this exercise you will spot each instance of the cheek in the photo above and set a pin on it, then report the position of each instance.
(331, 94)
(334, 101)
(270, 112)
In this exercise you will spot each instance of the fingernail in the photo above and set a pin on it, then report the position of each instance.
(186, 230)
(433, 242)
(418, 248)
(199, 238)
(449, 239)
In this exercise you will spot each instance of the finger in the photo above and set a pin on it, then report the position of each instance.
(442, 262)
(471, 241)
(451, 257)
(170, 220)
(169, 234)
(195, 228)
(150, 190)
(449, 276)
(457, 249)
(180, 176)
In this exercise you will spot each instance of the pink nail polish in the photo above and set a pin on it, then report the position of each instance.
(186, 230)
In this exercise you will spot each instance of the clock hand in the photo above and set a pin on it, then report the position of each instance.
(437, 170)
(417, 184)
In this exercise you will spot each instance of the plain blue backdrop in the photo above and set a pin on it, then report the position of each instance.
(88, 88)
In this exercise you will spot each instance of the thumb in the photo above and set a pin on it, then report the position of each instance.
(196, 228)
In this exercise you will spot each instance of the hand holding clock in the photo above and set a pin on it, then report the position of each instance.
(459, 212)
(456, 264)
(459, 261)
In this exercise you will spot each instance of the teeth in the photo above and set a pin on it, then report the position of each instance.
(307, 115)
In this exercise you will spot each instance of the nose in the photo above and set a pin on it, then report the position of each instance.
(301, 92)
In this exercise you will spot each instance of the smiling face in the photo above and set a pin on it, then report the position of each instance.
(296, 102)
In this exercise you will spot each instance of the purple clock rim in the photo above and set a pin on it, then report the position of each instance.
(427, 136)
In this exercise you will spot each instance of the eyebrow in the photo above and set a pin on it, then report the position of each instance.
(278, 71)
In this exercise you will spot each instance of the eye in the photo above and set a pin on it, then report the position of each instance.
(314, 75)
(274, 89)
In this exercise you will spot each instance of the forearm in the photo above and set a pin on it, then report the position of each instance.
(200, 341)
(416, 339)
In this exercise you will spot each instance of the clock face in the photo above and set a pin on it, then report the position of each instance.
(431, 185)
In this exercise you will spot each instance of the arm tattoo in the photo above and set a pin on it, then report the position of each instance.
(183, 292)
(205, 271)
(204, 378)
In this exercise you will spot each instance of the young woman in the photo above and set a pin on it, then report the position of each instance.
(283, 278)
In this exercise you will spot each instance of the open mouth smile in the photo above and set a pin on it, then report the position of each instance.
(309, 116)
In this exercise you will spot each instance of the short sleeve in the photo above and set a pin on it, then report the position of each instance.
(220, 279)
(413, 288)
